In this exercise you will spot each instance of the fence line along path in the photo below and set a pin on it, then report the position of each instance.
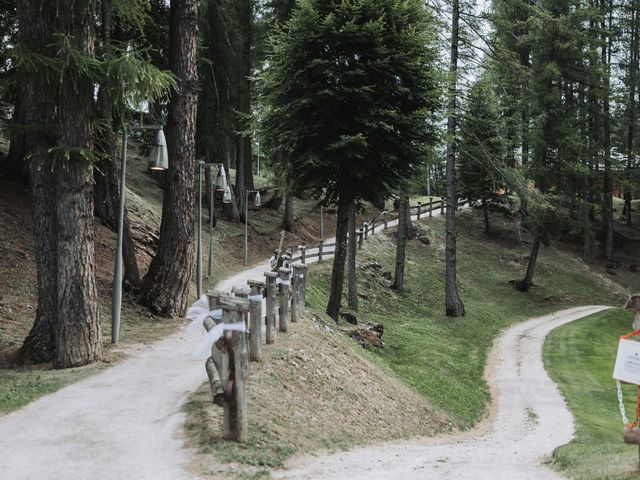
(124, 422)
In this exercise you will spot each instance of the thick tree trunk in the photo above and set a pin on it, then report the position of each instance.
(165, 288)
(525, 284)
(352, 281)
(288, 222)
(339, 259)
(453, 305)
(246, 19)
(35, 33)
(78, 339)
(401, 244)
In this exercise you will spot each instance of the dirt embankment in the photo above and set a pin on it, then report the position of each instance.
(313, 391)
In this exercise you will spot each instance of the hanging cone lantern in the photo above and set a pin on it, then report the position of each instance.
(226, 197)
(221, 181)
(258, 201)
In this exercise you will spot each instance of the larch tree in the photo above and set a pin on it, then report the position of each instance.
(165, 288)
(453, 304)
(349, 94)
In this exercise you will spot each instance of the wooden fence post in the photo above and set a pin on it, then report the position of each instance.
(385, 212)
(373, 226)
(296, 282)
(255, 329)
(283, 314)
(303, 289)
(256, 286)
(360, 237)
(235, 365)
(419, 209)
(213, 364)
(441, 205)
(430, 207)
(366, 229)
(303, 253)
(320, 247)
(271, 294)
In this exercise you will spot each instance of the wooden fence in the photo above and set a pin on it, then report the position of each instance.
(234, 321)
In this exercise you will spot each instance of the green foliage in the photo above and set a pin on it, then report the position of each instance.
(480, 148)
(349, 91)
(580, 357)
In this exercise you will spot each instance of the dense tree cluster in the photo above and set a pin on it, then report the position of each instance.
(527, 107)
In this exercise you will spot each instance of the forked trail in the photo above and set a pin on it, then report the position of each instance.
(529, 420)
(126, 422)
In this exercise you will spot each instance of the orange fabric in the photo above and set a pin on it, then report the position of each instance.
(629, 335)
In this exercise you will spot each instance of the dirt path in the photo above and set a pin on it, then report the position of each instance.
(530, 419)
(126, 421)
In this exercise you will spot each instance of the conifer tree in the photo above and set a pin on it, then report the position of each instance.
(349, 91)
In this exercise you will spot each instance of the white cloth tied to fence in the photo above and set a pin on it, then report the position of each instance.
(197, 313)
(255, 298)
(204, 348)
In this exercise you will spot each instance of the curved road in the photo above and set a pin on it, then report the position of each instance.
(530, 422)
(125, 422)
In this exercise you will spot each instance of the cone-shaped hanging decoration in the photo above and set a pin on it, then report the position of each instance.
(221, 180)
(258, 201)
(226, 197)
(159, 156)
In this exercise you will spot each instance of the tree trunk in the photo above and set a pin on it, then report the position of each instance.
(525, 284)
(241, 187)
(631, 122)
(288, 222)
(485, 214)
(453, 305)
(35, 32)
(15, 164)
(230, 210)
(401, 244)
(607, 213)
(352, 285)
(78, 339)
(337, 274)
(246, 20)
(165, 288)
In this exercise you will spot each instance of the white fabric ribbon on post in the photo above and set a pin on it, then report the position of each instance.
(197, 313)
(203, 350)
(255, 298)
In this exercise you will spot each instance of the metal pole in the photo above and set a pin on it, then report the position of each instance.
(258, 155)
(321, 222)
(246, 226)
(212, 205)
(199, 248)
(116, 304)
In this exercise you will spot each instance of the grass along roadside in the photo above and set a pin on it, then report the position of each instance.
(444, 358)
(440, 360)
(579, 357)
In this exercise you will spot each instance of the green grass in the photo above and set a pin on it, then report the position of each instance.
(580, 357)
(444, 358)
(19, 387)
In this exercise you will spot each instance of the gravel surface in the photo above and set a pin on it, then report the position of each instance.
(530, 419)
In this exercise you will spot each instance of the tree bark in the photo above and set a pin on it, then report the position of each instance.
(340, 256)
(607, 212)
(165, 288)
(288, 222)
(485, 214)
(352, 281)
(401, 244)
(453, 305)
(525, 284)
(36, 22)
(78, 339)
(15, 164)
(634, 54)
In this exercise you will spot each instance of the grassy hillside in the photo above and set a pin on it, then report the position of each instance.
(444, 358)
(580, 357)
